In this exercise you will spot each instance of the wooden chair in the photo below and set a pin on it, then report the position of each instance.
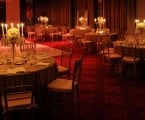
(65, 62)
(31, 32)
(18, 94)
(88, 46)
(40, 33)
(109, 59)
(28, 46)
(129, 59)
(71, 87)
(28, 49)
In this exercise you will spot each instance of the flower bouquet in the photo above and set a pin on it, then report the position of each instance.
(141, 27)
(43, 19)
(12, 36)
(101, 21)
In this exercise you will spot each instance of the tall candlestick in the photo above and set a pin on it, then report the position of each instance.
(22, 25)
(18, 25)
(95, 20)
(6, 26)
(2, 29)
(12, 24)
(136, 22)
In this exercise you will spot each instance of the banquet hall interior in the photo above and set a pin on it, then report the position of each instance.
(86, 59)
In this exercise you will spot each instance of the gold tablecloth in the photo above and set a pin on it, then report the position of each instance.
(46, 71)
(140, 48)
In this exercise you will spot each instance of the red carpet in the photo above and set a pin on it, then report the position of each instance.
(103, 97)
(107, 97)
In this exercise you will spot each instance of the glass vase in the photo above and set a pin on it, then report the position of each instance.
(13, 53)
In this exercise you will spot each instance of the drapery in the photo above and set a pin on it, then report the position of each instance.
(86, 6)
(119, 14)
(57, 11)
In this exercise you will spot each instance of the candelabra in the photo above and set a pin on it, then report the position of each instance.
(20, 31)
(101, 22)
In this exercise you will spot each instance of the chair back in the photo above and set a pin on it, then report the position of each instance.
(28, 48)
(106, 44)
(18, 91)
(128, 50)
(66, 56)
(77, 72)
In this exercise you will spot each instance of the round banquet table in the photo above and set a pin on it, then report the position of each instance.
(45, 68)
(140, 48)
(140, 53)
(96, 38)
(93, 36)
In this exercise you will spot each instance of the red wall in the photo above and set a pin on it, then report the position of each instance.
(12, 11)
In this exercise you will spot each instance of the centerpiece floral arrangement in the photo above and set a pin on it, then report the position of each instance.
(12, 35)
(43, 19)
(83, 21)
(101, 21)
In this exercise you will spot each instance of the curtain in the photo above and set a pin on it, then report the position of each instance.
(56, 10)
(60, 12)
(86, 6)
(63, 12)
(118, 13)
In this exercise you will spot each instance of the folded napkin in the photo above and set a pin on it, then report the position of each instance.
(43, 63)
(16, 70)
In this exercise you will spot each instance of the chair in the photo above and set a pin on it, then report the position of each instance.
(40, 33)
(31, 32)
(109, 59)
(65, 62)
(27, 46)
(28, 49)
(88, 45)
(18, 93)
(69, 86)
(129, 59)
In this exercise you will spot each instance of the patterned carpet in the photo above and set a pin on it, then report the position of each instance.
(103, 96)
(106, 97)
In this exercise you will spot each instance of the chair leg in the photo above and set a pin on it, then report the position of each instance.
(78, 104)
(125, 70)
(68, 75)
(73, 106)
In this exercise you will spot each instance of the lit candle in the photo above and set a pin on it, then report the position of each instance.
(136, 22)
(12, 24)
(18, 25)
(104, 20)
(2, 29)
(22, 25)
(95, 20)
(6, 26)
